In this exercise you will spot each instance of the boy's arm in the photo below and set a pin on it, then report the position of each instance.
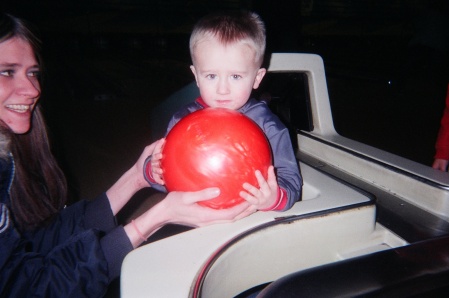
(279, 191)
(284, 160)
(148, 174)
(287, 169)
(152, 169)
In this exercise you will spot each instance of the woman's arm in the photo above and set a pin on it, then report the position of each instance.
(131, 181)
(74, 268)
(182, 208)
(176, 208)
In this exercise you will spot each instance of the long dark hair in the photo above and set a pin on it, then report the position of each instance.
(39, 188)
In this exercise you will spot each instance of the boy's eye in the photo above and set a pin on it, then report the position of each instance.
(236, 77)
(211, 76)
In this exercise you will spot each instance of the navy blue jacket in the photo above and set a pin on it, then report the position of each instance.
(77, 255)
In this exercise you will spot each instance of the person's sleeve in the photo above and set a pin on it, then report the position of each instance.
(81, 266)
(174, 119)
(286, 166)
(98, 214)
(115, 243)
(149, 178)
(73, 269)
(115, 246)
(83, 215)
(284, 160)
(442, 143)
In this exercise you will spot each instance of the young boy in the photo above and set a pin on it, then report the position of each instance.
(227, 52)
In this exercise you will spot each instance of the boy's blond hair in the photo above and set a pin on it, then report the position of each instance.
(231, 28)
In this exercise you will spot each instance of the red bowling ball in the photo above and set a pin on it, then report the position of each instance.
(215, 147)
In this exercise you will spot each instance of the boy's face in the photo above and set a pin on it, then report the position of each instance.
(225, 74)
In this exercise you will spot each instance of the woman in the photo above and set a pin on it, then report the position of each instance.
(47, 249)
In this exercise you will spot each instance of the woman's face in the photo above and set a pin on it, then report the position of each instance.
(19, 85)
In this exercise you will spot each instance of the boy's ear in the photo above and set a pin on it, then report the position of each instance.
(192, 68)
(260, 74)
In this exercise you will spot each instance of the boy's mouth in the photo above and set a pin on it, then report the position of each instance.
(223, 102)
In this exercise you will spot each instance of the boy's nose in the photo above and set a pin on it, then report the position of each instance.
(223, 86)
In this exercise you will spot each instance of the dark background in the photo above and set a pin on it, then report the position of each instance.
(109, 63)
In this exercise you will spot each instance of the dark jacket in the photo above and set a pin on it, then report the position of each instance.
(76, 255)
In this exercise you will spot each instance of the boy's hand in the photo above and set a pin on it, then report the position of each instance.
(265, 196)
(156, 170)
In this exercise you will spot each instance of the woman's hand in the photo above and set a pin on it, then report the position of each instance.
(131, 181)
(183, 208)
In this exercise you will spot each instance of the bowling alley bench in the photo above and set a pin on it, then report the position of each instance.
(368, 223)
